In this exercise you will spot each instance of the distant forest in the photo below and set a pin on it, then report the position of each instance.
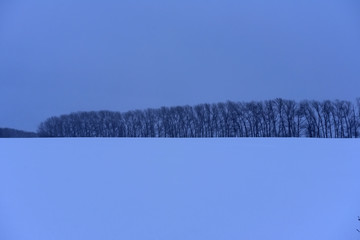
(14, 133)
(272, 118)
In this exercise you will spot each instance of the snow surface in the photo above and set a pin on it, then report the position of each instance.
(283, 189)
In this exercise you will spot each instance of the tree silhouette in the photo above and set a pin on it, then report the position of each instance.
(272, 118)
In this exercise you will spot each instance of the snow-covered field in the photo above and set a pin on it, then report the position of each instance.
(179, 189)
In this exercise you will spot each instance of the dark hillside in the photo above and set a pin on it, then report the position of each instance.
(14, 133)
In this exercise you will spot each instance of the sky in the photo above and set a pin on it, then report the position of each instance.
(160, 189)
(58, 57)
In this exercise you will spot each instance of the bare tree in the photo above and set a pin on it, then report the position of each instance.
(273, 118)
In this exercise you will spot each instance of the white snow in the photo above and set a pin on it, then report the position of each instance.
(169, 189)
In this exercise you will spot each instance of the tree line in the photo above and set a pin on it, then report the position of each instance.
(272, 118)
(15, 133)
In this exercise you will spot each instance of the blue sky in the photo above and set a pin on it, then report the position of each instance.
(63, 56)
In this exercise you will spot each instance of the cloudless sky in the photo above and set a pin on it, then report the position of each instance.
(57, 56)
